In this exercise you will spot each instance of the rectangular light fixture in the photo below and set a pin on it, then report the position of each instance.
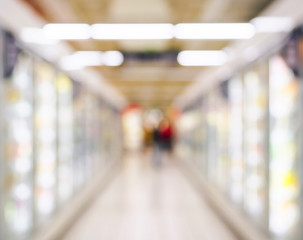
(132, 31)
(112, 58)
(35, 36)
(202, 58)
(71, 31)
(214, 31)
(272, 24)
(152, 31)
(81, 59)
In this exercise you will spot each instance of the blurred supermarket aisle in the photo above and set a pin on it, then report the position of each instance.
(149, 203)
(219, 83)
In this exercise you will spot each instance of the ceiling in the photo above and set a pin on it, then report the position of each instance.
(150, 84)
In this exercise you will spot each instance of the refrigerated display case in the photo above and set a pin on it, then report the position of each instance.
(236, 171)
(197, 136)
(185, 126)
(64, 138)
(132, 126)
(189, 134)
(50, 139)
(222, 124)
(255, 143)
(212, 133)
(93, 134)
(45, 141)
(109, 134)
(17, 139)
(79, 155)
(2, 227)
(265, 139)
(203, 138)
(117, 141)
(102, 124)
(284, 218)
(1, 137)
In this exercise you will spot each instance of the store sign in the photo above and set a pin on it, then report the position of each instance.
(11, 51)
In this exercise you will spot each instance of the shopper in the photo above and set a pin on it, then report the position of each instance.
(157, 146)
(166, 135)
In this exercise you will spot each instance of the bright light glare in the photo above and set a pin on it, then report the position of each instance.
(24, 109)
(214, 31)
(46, 204)
(22, 165)
(23, 222)
(47, 135)
(272, 24)
(283, 219)
(47, 181)
(202, 58)
(36, 36)
(22, 192)
(112, 58)
(82, 59)
(47, 156)
(132, 31)
(148, 31)
(67, 31)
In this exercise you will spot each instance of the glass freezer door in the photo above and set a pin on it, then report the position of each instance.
(284, 150)
(79, 136)
(222, 140)
(255, 144)
(212, 131)
(45, 141)
(235, 89)
(17, 181)
(65, 138)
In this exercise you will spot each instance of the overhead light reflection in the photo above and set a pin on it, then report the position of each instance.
(67, 31)
(113, 58)
(22, 192)
(202, 58)
(152, 31)
(213, 31)
(82, 59)
(132, 31)
(36, 36)
(272, 24)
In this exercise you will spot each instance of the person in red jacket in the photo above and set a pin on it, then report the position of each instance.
(166, 135)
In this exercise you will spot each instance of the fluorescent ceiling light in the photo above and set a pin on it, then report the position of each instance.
(67, 31)
(202, 58)
(36, 36)
(112, 58)
(273, 24)
(132, 31)
(214, 31)
(81, 59)
(150, 31)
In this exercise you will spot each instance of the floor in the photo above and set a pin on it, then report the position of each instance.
(149, 202)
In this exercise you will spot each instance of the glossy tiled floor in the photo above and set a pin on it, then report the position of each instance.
(149, 203)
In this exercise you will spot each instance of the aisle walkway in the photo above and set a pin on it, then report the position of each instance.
(148, 203)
